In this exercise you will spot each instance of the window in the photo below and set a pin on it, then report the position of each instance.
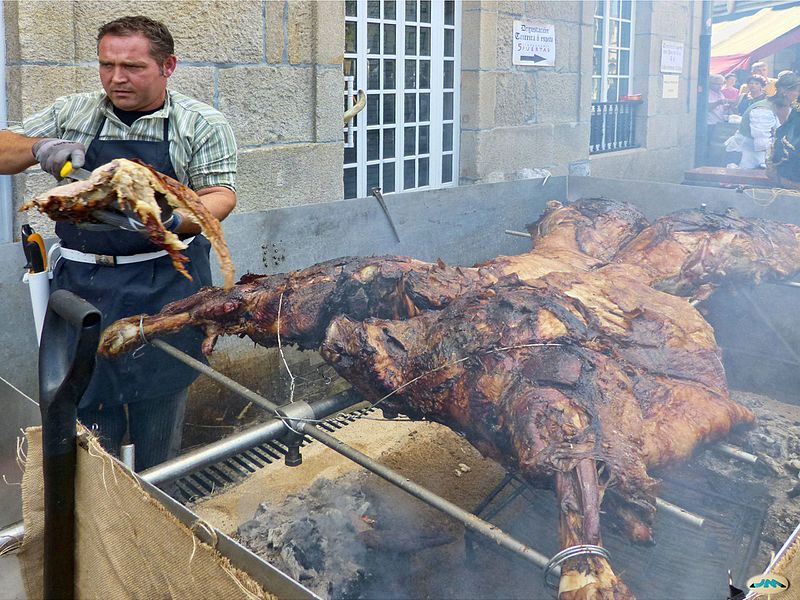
(613, 118)
(405, 56)
(612, 58)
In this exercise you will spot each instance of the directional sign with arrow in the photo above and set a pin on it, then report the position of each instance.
(534, 44)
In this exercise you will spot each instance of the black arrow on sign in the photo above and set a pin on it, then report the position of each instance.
(534, 58)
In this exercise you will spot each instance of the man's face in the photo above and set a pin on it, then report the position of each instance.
(760, 71)
(755, 89)
(792, 94)
(131, 77)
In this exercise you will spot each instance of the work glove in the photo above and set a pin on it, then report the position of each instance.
(52, 153)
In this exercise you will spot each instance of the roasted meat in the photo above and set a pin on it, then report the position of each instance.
(690, 252)
(568, 364)
(126, 185)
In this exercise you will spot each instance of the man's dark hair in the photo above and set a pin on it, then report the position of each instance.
(162, 46)
(758, 79)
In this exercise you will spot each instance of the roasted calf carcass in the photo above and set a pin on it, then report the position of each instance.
(126, 185)
(567, 363)
(690, 252)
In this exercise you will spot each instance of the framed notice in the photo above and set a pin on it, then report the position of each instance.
(670, 87)
(671, 57)
(534, 44)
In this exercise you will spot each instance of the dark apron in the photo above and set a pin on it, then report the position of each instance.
(131, 289)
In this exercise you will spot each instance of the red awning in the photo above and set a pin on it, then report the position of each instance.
(738, 44)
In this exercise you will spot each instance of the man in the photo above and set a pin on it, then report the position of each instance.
(756, 84)
(760, 68)
(135, 117)
(729, 90)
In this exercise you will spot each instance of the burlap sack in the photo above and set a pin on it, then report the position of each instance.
(128, 545)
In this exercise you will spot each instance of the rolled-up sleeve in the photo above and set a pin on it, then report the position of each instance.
(42, 124)
(213, 162)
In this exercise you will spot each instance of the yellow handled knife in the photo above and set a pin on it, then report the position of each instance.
(68, 173)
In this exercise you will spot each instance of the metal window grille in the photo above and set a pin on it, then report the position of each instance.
(405, 55)
(613, 126)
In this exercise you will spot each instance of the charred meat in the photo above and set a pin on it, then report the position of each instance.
(131, 186)
(581, 362)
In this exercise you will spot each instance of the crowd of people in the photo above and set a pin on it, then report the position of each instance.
(759, 107)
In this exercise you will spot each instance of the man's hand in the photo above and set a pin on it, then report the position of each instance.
(52, 153)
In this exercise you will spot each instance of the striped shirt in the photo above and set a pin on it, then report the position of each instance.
(202, 148)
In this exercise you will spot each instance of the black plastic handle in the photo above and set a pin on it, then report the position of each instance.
(67, 352)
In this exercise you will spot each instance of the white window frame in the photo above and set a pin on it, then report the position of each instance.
(604, 75)
(435, 122)
(6, 215)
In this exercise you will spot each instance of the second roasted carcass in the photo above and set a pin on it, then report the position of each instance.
(567, 364)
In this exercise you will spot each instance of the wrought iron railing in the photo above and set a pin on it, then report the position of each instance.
(613, 126)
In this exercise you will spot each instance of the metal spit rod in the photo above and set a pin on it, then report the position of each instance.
(468, 519)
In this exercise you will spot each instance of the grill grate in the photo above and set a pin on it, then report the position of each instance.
(684, 563)
(211, 479)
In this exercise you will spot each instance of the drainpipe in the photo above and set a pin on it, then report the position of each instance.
(701, 135)
(6, 215)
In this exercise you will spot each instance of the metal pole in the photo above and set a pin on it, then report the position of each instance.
(203, 368)
(127, 455)
(701, 124)
(238, 442)
(404, 483)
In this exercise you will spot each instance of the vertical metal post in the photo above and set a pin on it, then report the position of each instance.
(127, 454)
(701, 134)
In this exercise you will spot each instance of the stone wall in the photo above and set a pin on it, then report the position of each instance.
(516, 120)
(273, 68)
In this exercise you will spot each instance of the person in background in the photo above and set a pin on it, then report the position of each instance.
(135, 117)
(755, 92)
(784, 164)
(729, 90)
(759, 122)
(717, 111)
(761, 68)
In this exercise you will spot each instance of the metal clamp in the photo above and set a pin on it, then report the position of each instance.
(571, 552)
(294, 416)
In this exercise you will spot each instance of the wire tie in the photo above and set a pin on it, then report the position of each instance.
(572, 552)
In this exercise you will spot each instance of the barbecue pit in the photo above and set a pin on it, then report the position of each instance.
(520, 203)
